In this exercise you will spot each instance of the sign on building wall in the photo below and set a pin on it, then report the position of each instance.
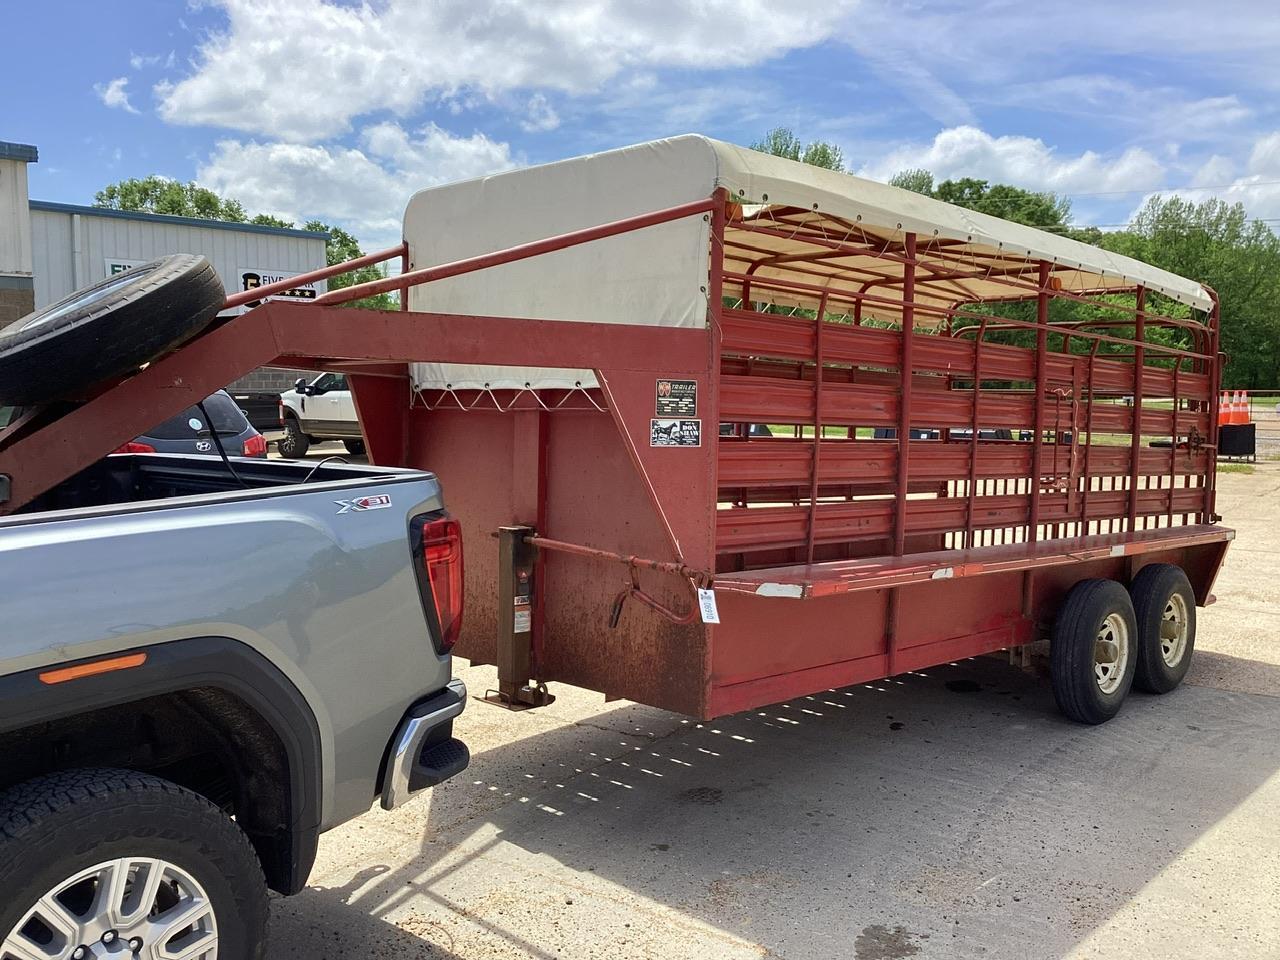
(250, 278)
(117, 265)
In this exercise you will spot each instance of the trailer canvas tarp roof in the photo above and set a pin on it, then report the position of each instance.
(659, 275)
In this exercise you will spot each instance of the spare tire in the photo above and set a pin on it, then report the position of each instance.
(107, 330)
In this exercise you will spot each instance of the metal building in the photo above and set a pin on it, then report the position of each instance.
(73, 246)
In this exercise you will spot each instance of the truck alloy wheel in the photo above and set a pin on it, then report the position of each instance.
(149, 906)
(114, 863)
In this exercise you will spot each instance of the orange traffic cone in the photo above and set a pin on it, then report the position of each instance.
(1245, 414)
(1224, 409)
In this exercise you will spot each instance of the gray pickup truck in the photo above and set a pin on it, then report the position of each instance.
(204, 666)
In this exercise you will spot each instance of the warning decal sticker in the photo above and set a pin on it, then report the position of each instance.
(675, 433)
(677, 398)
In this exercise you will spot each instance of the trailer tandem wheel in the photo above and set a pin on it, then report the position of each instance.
(1165, 607)
(1092, 654)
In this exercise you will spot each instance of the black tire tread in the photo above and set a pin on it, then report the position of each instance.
(1067, 654)
(27, 808)
(178, 299)
(1150, 591)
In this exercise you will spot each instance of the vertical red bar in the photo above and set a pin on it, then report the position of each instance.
(405, 268)
(1135, 445)
(817, 429)
(904, 405)
(1042, 345)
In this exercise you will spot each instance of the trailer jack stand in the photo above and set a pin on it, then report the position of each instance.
(517, 690)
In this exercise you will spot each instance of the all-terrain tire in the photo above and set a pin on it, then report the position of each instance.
(1092, 607)
(294, 443)
(1158, 590)
(354, 447)
(55, 826)
(107, 330)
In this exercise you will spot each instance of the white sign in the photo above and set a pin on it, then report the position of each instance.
(117, 265)
(250, 278)
(707, 606)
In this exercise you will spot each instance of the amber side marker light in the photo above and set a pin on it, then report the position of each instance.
(93, 668)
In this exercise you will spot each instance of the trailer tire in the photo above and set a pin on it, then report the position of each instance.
(66, 836)
(354, 447)
(294, 443)
(1092, 653)
(108, 329)
(1162, 595)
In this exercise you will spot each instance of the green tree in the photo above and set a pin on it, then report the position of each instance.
(1044, 210)
(157, 194)
(782, 142)
(1217, 244)
(915, 180)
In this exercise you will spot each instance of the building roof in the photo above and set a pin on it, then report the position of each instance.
(175, 221)
(18, 151)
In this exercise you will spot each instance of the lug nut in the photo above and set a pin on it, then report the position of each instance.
(135, 944)
(79, 953)
(109, 936)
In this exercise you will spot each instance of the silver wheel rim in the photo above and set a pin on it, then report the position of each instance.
(134, 907)
(1111, 653)
(1174, 628)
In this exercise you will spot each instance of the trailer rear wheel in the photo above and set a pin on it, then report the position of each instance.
(1165, 607)
(1092, 653)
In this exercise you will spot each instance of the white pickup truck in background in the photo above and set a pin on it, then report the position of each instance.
(320, 410)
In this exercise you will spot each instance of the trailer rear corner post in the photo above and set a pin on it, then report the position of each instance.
(517, 690)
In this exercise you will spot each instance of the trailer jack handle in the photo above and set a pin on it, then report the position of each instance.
(634, 589)
(634, 564)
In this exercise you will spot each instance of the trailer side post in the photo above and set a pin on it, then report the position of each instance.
(1042, 345)
(1135, 443)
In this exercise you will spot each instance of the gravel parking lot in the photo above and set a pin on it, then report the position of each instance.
(952, 813)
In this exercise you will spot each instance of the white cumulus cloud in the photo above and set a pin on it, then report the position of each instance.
(1028, 162)
(113, 94)
(304, 70)
(363, 188)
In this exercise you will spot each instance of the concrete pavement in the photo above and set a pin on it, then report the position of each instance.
(951, 813)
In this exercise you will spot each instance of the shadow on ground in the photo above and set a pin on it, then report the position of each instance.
(951, 812)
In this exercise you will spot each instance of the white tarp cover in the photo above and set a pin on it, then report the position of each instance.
(658, 275)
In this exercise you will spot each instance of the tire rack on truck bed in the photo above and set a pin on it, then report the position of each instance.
(834, 559)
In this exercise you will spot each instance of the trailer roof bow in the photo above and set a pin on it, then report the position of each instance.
(795, 233)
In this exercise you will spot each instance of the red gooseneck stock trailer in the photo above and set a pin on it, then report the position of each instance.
(724, 429)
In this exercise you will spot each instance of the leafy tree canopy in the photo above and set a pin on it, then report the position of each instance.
(782, 142)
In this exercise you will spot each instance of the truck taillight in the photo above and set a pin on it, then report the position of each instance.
(255, 446)
(442, 557)
(280, 408)
(133, 446)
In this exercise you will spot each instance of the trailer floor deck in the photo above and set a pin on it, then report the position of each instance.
(941, 816)
(807, 581)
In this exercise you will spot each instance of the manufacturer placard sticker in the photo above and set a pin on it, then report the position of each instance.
(707, 606)
(677, 398)
(675, 433)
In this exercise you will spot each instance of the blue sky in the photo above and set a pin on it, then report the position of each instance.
(308, 108)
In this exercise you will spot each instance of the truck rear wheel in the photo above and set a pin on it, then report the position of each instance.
(1093, 651)
(1165, 607)
(97, 863)
(294, 443)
